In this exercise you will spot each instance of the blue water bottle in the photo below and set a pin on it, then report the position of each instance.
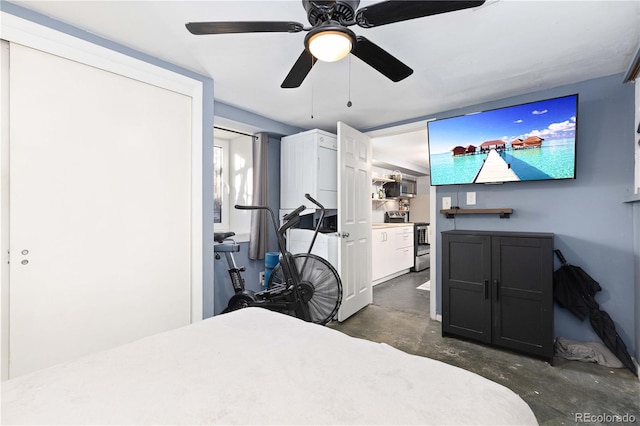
(271, 259)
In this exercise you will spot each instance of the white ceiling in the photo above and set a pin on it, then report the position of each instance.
(501, 49)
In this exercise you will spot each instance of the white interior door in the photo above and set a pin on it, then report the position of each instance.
(354, 219)
(100, 209)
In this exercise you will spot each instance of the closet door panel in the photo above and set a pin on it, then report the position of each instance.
(100, 209)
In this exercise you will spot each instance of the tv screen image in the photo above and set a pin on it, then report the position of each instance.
(532, 141)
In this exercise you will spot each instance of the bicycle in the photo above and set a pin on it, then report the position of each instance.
(302, 285)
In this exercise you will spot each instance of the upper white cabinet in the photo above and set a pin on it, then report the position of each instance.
(309, 164)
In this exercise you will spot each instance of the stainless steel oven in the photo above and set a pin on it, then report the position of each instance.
(395, 216)
(421, 246)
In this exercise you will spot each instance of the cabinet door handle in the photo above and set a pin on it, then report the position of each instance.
(486, 289)
(497, 289)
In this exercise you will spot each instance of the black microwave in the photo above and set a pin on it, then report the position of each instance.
(406, 188)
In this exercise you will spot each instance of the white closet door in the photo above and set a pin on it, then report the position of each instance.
(100, 200)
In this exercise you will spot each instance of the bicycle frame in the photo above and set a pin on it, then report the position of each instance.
(228, 249)
(268, 298)
(294, 292)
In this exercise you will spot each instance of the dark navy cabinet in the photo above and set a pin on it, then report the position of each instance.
(497, 288)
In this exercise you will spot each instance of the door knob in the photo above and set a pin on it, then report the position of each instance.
(345, 235)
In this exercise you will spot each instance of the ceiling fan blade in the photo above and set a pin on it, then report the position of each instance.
(395, 11)
(381, 60)
(299, 71)
(201, 28)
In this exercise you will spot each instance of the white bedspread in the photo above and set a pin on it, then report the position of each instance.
(257, 367)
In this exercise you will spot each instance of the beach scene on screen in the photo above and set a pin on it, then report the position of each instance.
(533, 141)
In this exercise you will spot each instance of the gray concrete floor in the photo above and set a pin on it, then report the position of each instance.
(558, 394)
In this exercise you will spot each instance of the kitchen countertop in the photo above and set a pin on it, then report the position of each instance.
(390, 225)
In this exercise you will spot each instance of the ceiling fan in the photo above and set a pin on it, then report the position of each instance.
(330, 40)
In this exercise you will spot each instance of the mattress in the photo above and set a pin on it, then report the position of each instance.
(254, 366)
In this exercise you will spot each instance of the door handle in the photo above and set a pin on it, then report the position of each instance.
(24, 253)
(486, 289)
(345, 235)
(495, 282)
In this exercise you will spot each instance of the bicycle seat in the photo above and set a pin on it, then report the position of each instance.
(219, 237)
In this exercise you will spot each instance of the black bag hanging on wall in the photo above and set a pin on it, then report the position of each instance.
(575, 291)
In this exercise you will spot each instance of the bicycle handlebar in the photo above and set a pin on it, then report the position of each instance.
(296, 212)
(239, 207)
(267, 208)
(314, 201)
(320, 220)
(291, 219)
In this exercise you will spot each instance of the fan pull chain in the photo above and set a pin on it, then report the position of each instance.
(313, 80)
(349, 100)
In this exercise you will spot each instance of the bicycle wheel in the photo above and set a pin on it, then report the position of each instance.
(319, 286)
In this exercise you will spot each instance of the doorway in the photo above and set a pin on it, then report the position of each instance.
(412, 159)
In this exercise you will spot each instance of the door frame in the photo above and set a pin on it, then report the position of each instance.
(433, 264)
(37, 36)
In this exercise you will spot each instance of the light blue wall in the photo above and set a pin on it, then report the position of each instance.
(207, 129)
(592, 224)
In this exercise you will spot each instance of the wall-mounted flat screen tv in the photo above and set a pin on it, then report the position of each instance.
(532, 141)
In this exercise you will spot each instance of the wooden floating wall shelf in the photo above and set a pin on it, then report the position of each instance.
(450, 213)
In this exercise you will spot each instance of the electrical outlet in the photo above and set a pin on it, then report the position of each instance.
(471, 198)
(261, 276)
(446, 203)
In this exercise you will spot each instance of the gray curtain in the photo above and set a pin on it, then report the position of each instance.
(258, 239)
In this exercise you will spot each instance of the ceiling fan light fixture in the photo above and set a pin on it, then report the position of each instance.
(330, 43)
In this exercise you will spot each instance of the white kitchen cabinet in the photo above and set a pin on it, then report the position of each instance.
(380, 253)
(308, 164)
(392, 252)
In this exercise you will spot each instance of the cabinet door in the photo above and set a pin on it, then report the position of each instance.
(466, 299)
(378, 255)
(522, 294)
(404, 258)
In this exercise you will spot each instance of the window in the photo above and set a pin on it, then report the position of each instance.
(232, 182)
(218, 182)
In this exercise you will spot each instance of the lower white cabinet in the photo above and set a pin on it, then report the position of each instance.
(380, 253)
(392, 252)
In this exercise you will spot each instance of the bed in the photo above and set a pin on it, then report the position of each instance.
(254, 366)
